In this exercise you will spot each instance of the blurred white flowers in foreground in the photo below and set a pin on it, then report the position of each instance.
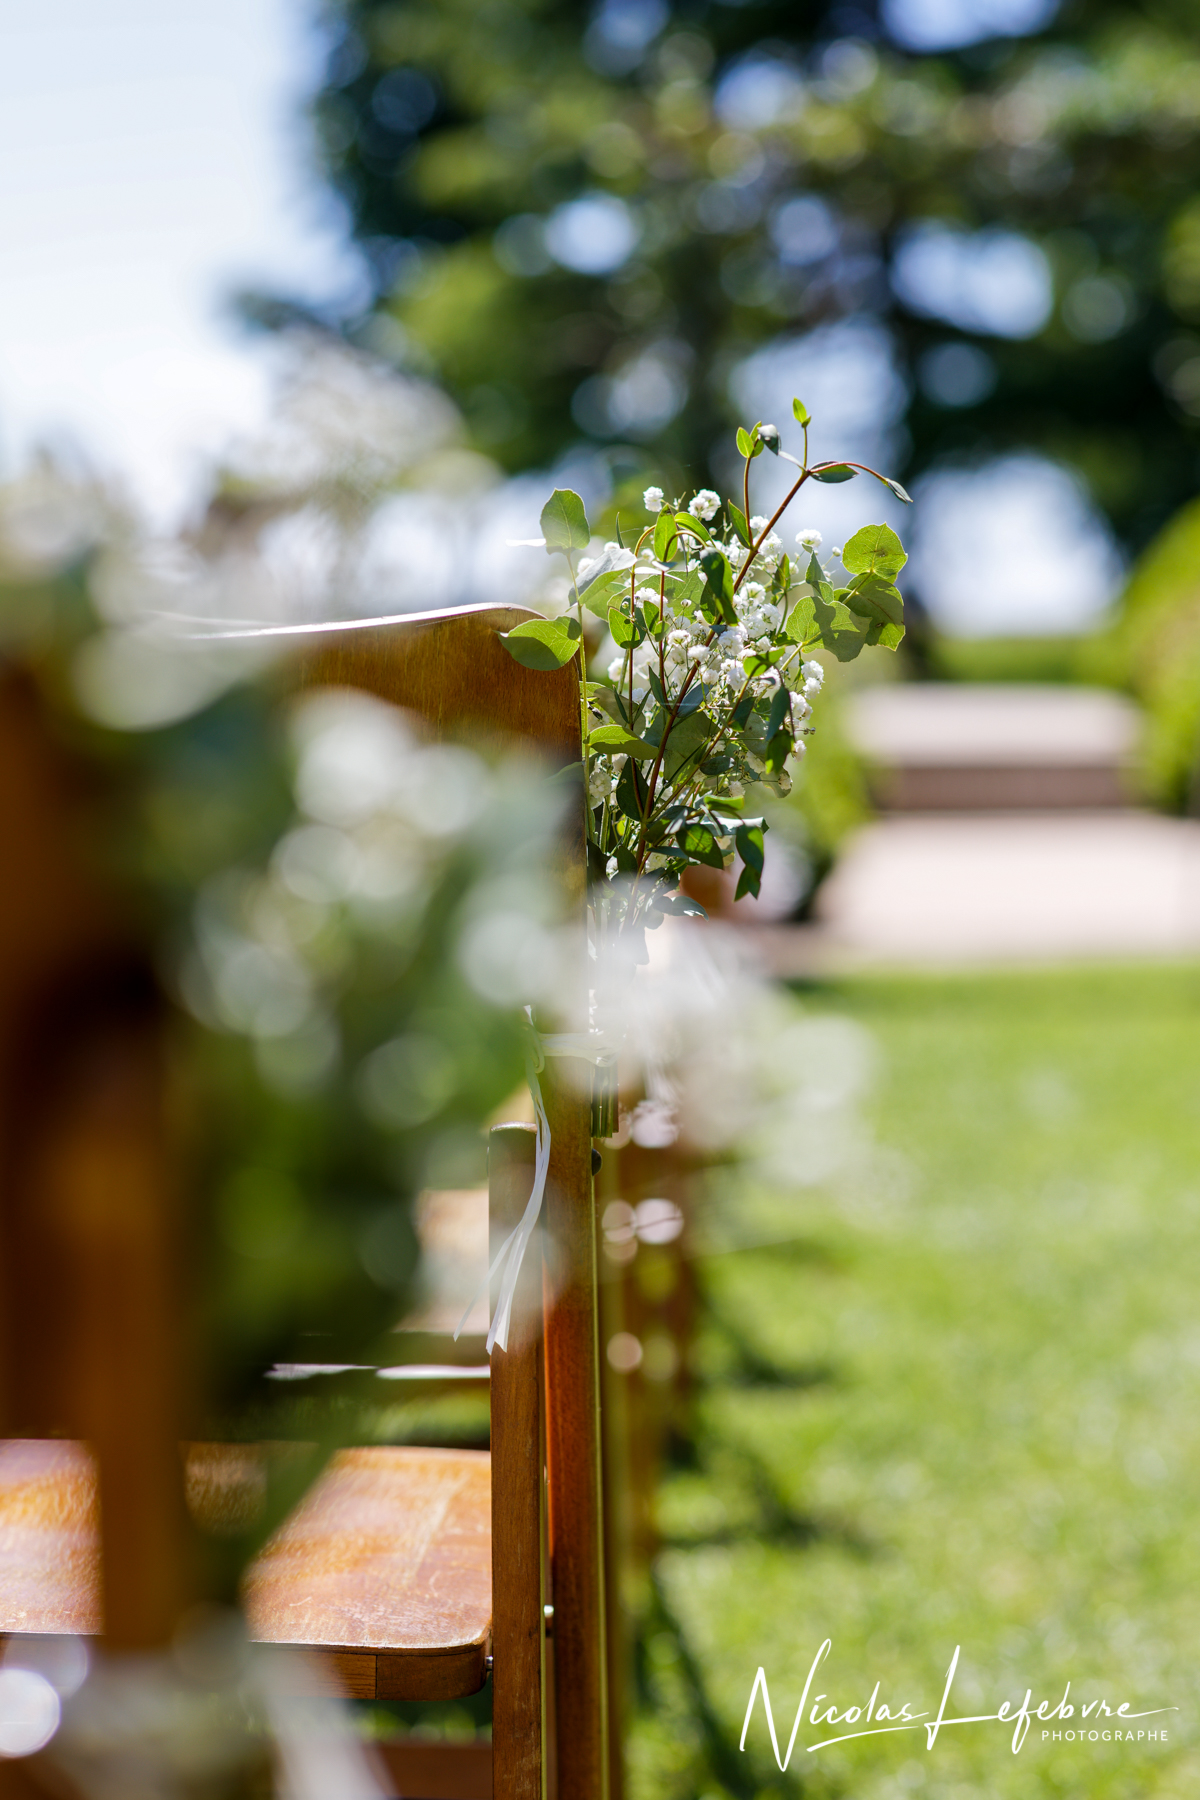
(745, 1076)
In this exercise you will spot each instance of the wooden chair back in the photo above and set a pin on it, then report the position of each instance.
(90, 1235)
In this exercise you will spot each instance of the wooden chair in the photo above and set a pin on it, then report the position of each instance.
(385, 1565)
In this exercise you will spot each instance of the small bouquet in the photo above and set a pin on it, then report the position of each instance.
(709, 697)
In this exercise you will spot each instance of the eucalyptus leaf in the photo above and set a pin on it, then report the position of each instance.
(686, 522)
(834, 472)
(543, 643)
(737, 519)
(801, 413)
(840, 631)
(626, 632)
(779, 710)
(615, 740)
(874, 597)
(666, 537)
(749, 841)
(685, 741)
(889, 637)
(564, 522)
(874, 550)
(699, 844)
(745, 442)
(749, 882)
(680, 906)
(802, 620)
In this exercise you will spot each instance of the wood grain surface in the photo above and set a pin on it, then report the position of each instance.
(389, 1552)
(573, 1442)
(49, 1538)
(518, 1479)
(455, 672)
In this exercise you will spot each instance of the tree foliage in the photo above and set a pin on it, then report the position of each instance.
(754, 171)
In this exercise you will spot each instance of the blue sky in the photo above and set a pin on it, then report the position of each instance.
(152, 159)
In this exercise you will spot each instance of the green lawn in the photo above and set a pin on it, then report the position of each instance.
(955, 1403)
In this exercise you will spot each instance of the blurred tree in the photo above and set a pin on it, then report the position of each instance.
(583, 219)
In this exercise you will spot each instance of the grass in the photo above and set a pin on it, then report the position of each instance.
(957, 1404)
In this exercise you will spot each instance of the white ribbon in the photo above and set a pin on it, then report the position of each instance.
(593, 1047)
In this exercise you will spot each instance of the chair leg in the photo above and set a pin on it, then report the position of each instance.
(518, 1631)
(573, 1450)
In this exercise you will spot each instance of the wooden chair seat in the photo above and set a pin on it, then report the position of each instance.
(385, 1566)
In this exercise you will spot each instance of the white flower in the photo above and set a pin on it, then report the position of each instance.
(600, 782)
(800, 708)
(836, 552)
(799, 749)
(645, 593)
(616, 668)
(813, 671)
(653, 499)
(809, 539)
(811, 690)
(705, 505)
(698, 654)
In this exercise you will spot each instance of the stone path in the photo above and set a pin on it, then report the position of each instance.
(1008, 835)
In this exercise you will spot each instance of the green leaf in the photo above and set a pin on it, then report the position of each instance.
(697, 527)
(874, 597)
(840, 631)
(717, 599)
(801, 413)
(889, 637)
(597, 595)
(834, 472)
(816, 578)
(801, 621)
(745, 442)
(875, 550)
(749, 882)
(737, 519)
(700, 845)
(666, 537)
(626, 631)
(542, 643)
(749, 841)
(681, 906)
(651, 617)
(779, 710)
(900, 493)
(614, 739)
(777, 752)
(632, 790)
(685, 740)
(564, 522)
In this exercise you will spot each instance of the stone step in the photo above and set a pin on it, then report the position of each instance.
(965, 746)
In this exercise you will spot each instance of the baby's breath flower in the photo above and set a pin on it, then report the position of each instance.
(653, 499)
(704, 505)
(809, 539)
